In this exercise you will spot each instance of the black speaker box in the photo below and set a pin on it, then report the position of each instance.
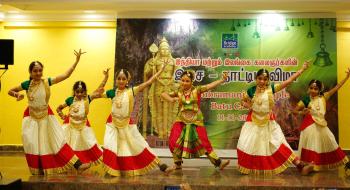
(6, 52)
(10, 184)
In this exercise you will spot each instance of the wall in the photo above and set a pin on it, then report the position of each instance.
(53, 43)
(343, 47)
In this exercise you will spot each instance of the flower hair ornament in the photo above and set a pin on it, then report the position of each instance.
(265, 73)
(125, 72)
(121, 72)
(80, 86)
(314, 83)
(36, 63)
(188, 73)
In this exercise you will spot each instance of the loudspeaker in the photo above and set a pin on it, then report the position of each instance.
(6, 51)
(10, 184)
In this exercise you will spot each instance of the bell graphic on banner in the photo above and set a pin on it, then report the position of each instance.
(233, 28)
(286, 28)
(310, 34)
(256, 33)
(322, 58)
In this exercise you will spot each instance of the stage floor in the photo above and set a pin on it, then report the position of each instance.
(198, 173)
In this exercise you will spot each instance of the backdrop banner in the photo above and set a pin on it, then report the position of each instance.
(238, 46)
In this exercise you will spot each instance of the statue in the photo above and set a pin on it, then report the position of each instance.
(163, 113)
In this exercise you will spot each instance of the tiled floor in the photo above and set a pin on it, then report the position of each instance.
(199, 174)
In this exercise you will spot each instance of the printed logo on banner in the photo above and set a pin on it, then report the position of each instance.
(229, 41)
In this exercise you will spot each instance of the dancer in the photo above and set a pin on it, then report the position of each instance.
(126, 153)
(262, 147)
(317, 144)
(79, 134)
(188, 136)
(45, 147)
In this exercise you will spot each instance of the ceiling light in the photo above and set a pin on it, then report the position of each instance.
(2, 16)
(93, 16)
(89, 11)
(17, 17)
(270, 21)
(182, 23)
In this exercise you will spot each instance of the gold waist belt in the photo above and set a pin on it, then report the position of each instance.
(38, 112)
(77, 122)
(188, 116)
(260, 118)
(120, 122)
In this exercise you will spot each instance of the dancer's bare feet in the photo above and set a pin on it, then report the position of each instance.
(307, 169)
(168, 170)
(185, 186)
(165, 168)
(84, 167)
(223, 164)
(177, 167)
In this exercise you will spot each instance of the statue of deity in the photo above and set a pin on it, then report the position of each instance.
(163, 113)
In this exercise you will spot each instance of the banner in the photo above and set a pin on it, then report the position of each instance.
(238, 46)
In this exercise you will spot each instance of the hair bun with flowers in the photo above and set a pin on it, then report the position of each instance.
(190, 73)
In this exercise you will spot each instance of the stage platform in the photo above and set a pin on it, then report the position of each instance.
(198, 173)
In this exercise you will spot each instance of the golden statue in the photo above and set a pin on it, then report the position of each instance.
(163, 113)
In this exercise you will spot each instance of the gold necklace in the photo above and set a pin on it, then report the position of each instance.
(187, 92)
(257, 99)
(33, 87)
(75, 108)
(187, 95)
(260, 89)
(318, 102)
(119, 97)
(75, 105)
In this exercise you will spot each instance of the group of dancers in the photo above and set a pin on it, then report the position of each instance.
(51, 148)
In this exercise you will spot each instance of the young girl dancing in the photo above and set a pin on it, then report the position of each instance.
(44, 143)
(79, 134)
(125, 151)
(317, 144)
(262, 147)
(188, 136)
